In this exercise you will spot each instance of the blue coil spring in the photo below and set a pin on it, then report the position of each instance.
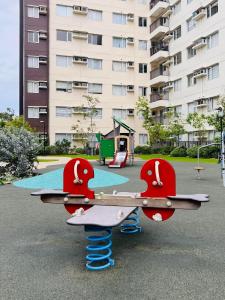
(131, 223)
(99, 256)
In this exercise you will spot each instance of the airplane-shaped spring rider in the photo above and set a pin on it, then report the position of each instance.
(100, 212)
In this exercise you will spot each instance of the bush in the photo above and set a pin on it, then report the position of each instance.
(143, 150)
(156, 150)
(62, 147)
(179, 152)
(207, 152)
(166, 150)
(18, 149)
(80, 151)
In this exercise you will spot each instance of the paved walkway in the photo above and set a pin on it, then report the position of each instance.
(58, 161)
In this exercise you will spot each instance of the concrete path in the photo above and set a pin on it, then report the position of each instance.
(58, 161)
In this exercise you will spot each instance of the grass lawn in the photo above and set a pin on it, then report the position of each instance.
(46, 160)
(179, 159)
(90, 157)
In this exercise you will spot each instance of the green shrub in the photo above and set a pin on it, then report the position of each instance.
(156, 150)
(166, 150)
(192, 152)
(80, 151)
(142, 150)
(179, 152)
(207, 152)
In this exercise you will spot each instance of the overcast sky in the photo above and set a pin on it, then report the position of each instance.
(9, 54)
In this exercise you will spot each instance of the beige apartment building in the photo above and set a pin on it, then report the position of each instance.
(171, 52)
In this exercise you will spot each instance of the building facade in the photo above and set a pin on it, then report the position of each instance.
(171, 52)
(187, 58)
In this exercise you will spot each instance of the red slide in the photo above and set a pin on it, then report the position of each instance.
(119, 160)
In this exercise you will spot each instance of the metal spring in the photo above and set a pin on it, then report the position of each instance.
(99, 257)
(133, 227)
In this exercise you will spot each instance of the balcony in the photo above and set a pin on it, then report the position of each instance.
(158, 100)
(202, 42)
(157, 7)
(159, 28)
(158, 76)
(199, 14)
(158, 53)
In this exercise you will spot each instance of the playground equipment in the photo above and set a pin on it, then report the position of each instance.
(100, 212)
(117, 145)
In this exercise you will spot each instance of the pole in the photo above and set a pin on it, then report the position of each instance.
(44, 137)
(223, 158)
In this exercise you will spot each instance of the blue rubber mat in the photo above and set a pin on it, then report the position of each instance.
(54, 180)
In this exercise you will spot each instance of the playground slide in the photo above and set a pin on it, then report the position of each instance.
(119, 160)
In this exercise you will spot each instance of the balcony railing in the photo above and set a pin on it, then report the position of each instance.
(157, 97)
(157, 23)
(154, 2)
(158, 48)
(158, 72)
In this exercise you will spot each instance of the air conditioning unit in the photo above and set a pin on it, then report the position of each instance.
(43, 84)
(130, 17)
(130, 41)
(130, 64)
(80, 85)
(200, 73)
(169, 85)
(43, 35)
(43, 110)
(199, 43)
(199, 14)
(202, 102)
(80, 35)
(168, 37)
(43, 60)
(82, 10)
(43, 10)
(130, 112)
(80, 59)
(130, 88)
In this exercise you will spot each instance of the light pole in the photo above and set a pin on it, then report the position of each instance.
(222, 148)
(44, 134)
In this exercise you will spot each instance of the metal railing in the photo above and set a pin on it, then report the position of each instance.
(157, 97)
(158, 72)
(156, 49)
(157, 23)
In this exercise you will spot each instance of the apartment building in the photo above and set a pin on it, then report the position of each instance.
(76, 48)
(187, 58)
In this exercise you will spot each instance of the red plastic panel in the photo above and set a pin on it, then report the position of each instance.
(85, 172)
(162, 185)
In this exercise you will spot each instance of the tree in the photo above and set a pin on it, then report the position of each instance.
(18, 151)
(213, 119)
(6, 116)
(199, 122)
(157, 133)
(175, 125)
(19, 122)
(89, 112)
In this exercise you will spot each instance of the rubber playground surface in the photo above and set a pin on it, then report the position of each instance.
(42, 257)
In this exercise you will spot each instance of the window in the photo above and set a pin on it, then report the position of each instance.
(119, 42)
(142, 45)
(118, 18)
(177, 110)
(64, 86)
(213, 40)
(213, 72)
(119, 66)
(142, 22)
(63, 111)
(33, 112)
(33, 11)
(33, 37)
(119, 90)
(95, 39)
(95, 88)
(33, 87)
(143, 139)
(95, 15)
(191, 107)
(177, 85)
(190, 24)
(143, 68)
(176, 7)
(63, 35)
(142, 91)
(191, 80)
(191, 52)
(59, 137)
(177, 33)
(33, 62)
(119, 113)
(64, 10)
(212, 9)
(177, 58)
(96, 113)
(64, 61)
(95, 64)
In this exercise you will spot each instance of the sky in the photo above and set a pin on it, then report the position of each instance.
(9, 55)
